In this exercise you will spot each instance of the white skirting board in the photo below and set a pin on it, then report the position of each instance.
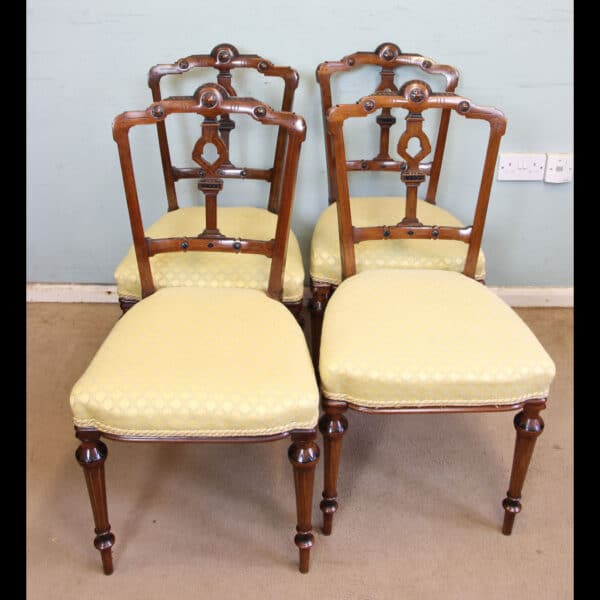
(84, 292)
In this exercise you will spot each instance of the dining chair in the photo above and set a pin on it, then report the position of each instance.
(201, 270)
(325, 262)
(200, 364)
(398, 341)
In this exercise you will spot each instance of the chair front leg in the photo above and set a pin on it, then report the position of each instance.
(304, 456)
(529, 426)
(333, 425)
(91, 455)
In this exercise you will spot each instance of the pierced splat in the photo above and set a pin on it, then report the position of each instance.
(210, 183)
(414, 130)
(412, 175)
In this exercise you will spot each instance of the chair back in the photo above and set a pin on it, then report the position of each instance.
(390, 58)
(224, 58)
(211, 101)
(416, 98)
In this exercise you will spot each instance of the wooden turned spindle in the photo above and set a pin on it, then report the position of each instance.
(304, 456)
(91, 455)
(529, 425)
(333, 424)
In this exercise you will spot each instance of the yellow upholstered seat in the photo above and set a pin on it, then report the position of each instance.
(200, 362)
(431, 338)
(325, 264)
(214, 269)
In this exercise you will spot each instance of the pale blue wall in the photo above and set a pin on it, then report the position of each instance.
(87, 61)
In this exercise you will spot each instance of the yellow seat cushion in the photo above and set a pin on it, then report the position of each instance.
(200, 362)
(427, 338)
(325, 263)
(214, 269)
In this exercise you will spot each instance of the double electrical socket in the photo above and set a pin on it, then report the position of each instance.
(552, 168)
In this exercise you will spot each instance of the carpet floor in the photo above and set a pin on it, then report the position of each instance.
(420, 498)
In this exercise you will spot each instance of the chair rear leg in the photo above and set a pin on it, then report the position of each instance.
(304, 456)
(297, 309)
(320, 293)
(529, 426)
(91, 455)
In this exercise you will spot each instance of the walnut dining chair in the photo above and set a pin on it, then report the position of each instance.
(399, 341)
(325, 261)
(200, 364)
(248, 221)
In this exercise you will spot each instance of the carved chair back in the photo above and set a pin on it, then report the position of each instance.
(224, 58)
(390, 58)
(212, 101)
(416, 98)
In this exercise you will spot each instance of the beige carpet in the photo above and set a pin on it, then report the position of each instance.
(419, 515)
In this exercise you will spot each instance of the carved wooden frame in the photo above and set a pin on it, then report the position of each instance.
(389, 57)
(528, 424)
(224, 58)
(210, 101)
(416, 97)
(303, 454)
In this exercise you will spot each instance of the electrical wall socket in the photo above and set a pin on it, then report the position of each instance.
(521, 167)
(559, 168)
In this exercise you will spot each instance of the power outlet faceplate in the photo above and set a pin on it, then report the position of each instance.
(521, 167)
(559, 168)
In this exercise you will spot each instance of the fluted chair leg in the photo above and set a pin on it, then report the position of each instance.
(333, 425)
(529, 426)
(91, 455)
(304, 456)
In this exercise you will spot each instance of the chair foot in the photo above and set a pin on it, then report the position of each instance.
(91, 455)
(529, 426)
(304, 456)
(333, 424)
(126, 303)
(512, 507)
(328, 507)
(304, 541)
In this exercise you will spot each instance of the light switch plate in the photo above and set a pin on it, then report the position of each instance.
(521, 167)
(559, 168)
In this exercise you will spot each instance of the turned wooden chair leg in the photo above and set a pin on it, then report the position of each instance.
(304, 456)
(320, 295)
(91, 455)
(333, 425)
(529, 426)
